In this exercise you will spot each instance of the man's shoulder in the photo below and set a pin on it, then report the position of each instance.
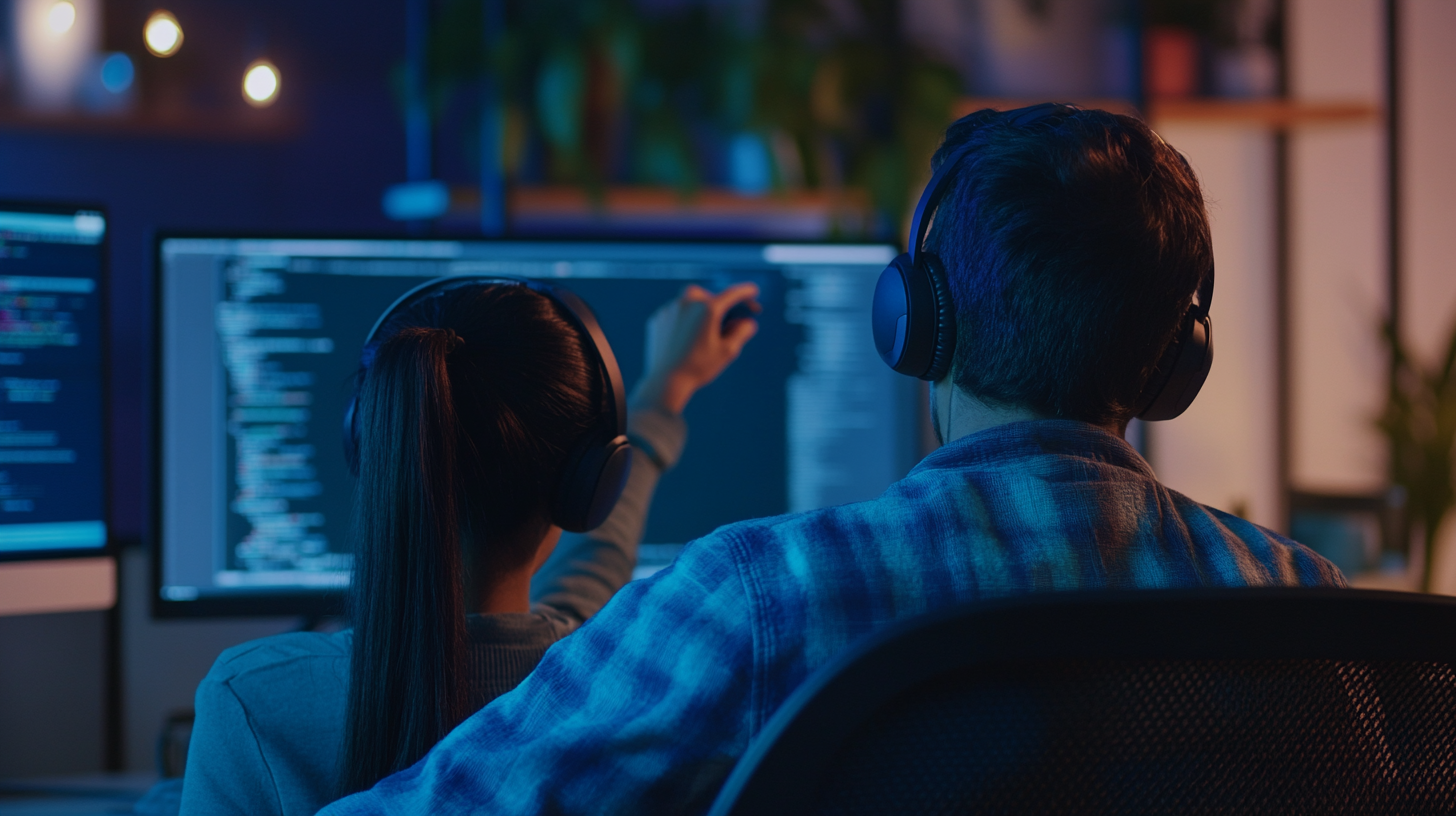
(832, 528)
(1195, 514)
(1288, 561)
(1242, 527)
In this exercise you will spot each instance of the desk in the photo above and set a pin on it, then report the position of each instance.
(85, 795)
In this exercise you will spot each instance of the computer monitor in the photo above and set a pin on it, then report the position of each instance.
(259, 338)
(53, 477)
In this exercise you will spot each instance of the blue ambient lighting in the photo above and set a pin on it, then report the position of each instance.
(117, 73)
(750, 169)
(416, 200)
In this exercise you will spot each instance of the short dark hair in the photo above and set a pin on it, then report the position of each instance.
(1073, 247)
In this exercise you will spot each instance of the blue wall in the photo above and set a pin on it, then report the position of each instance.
(324, 176)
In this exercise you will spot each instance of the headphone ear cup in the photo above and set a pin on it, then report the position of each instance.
(890, 313)
(1181, 371)
(351, 424)
(591, 483)
(943, 338)
(912, 317)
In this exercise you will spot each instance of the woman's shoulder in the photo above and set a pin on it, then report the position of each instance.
(280, 653)
(286, 696)
(270, 718)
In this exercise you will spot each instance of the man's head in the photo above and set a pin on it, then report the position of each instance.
(1073, 247)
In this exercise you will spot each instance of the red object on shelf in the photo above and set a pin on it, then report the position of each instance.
(1170, 62)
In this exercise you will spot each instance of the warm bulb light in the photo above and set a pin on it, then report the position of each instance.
(260, 84)
(61, 17)
(163, 34)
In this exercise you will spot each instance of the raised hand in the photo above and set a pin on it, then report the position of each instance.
(689, 344)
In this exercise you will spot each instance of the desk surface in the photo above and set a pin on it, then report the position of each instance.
(84, 795)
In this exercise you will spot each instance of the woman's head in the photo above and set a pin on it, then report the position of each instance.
(524, 389)
(469, 403)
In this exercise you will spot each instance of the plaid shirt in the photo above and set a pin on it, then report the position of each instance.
(646, 707)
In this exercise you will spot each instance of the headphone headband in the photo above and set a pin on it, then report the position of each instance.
(913, 316)
(940, 180)
(614, 397)
(596, 469)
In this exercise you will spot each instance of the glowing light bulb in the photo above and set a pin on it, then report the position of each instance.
(260, 84)
(61, 17)
(163, 34)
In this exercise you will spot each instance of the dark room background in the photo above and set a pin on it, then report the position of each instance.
(316, 162)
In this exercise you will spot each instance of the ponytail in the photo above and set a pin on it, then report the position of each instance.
(407, 684)
(469, 404)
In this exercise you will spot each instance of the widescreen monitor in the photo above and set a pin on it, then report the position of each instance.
(53, 491)
(259, 339)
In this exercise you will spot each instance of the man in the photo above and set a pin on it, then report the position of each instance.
(1073, 243)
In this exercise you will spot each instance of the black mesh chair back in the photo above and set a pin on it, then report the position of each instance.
(1206, 701)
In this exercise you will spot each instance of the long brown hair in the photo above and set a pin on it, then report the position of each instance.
(468, 404)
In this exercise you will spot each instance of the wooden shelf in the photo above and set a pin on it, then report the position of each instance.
(802, 214)
(1271, 113)
(229, 126)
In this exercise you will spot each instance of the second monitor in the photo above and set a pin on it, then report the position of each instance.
(260, 339)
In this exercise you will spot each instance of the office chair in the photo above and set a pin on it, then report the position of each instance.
(1158, 701)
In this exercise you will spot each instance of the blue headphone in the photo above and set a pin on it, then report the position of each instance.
(914, 319)
(595, 472)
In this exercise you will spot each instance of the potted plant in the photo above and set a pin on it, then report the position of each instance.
(1419, 423)
(779, 95)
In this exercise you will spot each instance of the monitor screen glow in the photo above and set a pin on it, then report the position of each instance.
(52, 412)
(53, 465)
(259, 339)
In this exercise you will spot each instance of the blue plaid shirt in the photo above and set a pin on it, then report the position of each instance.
(646, 707)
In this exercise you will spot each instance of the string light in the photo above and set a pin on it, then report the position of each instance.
(61, 17)
(260, 84)
(163, 34)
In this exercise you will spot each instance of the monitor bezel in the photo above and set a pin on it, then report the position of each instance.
(318, 604)
(103, 298)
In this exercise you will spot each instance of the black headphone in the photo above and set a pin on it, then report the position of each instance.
(914, 319)
(595, 472)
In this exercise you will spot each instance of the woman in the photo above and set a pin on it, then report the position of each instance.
(473, 401)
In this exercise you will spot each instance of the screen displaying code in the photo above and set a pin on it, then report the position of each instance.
(52, 459)
(261, 342)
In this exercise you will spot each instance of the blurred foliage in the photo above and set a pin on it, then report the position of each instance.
(1419, 423)
(617, 91)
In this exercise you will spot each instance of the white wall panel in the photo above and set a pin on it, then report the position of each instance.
(1224, 450)
(1336, 49)
(1428, 180)
(1337, 304)
(1428, 149)
(1338, 251)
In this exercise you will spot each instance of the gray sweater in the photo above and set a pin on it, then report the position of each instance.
(270, 714)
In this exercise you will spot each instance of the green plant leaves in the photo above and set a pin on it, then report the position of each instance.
(1419, 423)
(559, 90)
(840, 97)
